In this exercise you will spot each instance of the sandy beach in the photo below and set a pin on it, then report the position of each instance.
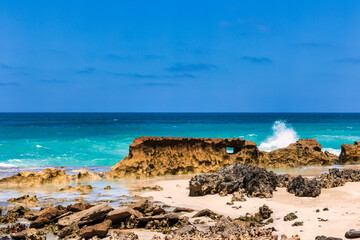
(342, 202)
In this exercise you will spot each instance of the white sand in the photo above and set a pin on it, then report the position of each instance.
(343, 203)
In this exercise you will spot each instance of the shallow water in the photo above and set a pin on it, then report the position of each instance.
(102, 139)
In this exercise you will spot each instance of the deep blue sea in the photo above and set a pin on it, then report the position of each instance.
(102, 139)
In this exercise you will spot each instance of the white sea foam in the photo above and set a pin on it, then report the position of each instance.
(7, 165)
(333, 151)
(39, 146)
(282, 137)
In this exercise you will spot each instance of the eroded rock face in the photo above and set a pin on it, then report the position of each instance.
(350, 153)
(255, 181)
(304, 152)
(28, 179)
(153, 156)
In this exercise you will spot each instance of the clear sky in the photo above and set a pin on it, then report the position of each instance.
(180, 56)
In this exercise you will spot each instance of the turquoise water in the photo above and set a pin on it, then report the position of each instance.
(102, 139)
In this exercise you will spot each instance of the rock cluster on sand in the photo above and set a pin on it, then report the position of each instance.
(153, 156)
(240, 178)
(255, 181)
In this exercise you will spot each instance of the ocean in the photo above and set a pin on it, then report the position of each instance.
(102, 139)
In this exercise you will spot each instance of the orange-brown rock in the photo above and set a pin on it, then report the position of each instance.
(29, 179)
(305, 152)
(350, 153)
(154, 156)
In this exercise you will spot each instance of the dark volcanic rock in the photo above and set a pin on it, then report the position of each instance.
(290, 217)
(256, 181)
(352, 234)
(302, 187)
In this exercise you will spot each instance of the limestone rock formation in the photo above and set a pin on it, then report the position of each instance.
(29, 179)
(350, 153)
(304, 152)
(154, 156)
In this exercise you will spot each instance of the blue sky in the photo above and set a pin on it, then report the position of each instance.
(179, 56)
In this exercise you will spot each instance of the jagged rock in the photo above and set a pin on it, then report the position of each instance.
(86, 175)
(153, 156)
(206, 213)
(302, 187)
(284, 179)
(352, 233)
(290, 217)
(350, 153)
(100, 230)
(147, 208)
(83, 189)
(305, 152)
(322, 237)
(107, 188)
(258, 219)
(337, 177)
(93, 214)
(255, 181)
(180, 209)
(120, 214)
(29, 179)
(26, 200)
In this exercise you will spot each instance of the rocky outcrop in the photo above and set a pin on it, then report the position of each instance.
(350, 153)
(99, 230)
(29, 179)
(153, 156)
(305, 152)
(255, 181)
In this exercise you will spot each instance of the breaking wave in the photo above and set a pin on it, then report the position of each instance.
(282, 137)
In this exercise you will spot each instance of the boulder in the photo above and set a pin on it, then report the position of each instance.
(350, 153)
(352, 234)
(122, 213)
(302, 187)
(93, 214)
(99, 230)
